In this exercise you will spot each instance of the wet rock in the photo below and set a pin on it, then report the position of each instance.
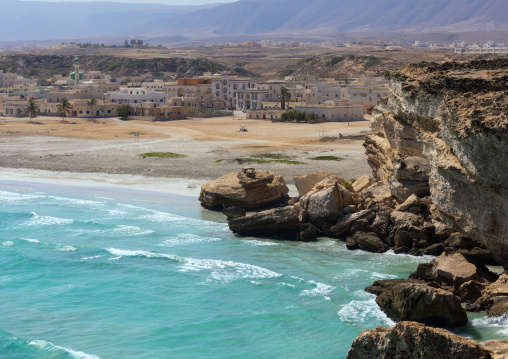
(499, 307)
(234, 212)
(308, 232)
(415, 300)
(435, 249)
(351, 244)
(280, 223)
(411, 340)
(470, 291)
(240, 190)
(370, 242)
(345, 223)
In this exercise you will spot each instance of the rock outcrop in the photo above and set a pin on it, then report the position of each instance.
(248, 189)
(415, 300)
(443, 130)
(410, 340)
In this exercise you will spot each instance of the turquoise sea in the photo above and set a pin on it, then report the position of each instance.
(116, 273)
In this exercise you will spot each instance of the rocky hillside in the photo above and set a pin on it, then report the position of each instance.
(45, 66)
(444, 130)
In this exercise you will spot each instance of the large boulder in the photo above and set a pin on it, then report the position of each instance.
(362, 183)
(453, 270)
(326, 201)
(497, 348)
(494, 292)
(248, 189)
(279, 222)
(410, 340)
(345, 223)
(414, 300)
(368, 242)
(304, 184)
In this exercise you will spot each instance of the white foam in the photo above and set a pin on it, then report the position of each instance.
(283, 284)
(7, 243)
(38, 221)
(44, 345)
(500, 322)
(358, 311)
(380, 276)
(31, 240)
(132, 230)
(321, 289)
(78, 202)
(187, 238)
(87, 258)
(116, 212)
(65, 248)
(255, 242)
(12, 198)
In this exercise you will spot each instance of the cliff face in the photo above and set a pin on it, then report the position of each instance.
(443, 130)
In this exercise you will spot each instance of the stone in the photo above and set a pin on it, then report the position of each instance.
(361, 225)
(234, 212)
(279, 222)
(350, 209)
(411, 340)
(325, 202)
(412, 201)
(239, 190)
(351, 243)
(479, 255)
(415, 300)
(435, 249)
(499, 307)
(370, 242)
(404, 219)
(470, 291)
(494, 290)
(308, 232)
(497, 348)
(345, 223)
(403, 239)
(362, 183)
(454, 270)
(460, 241)
(305, 183)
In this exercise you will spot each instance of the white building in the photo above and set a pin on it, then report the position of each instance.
(136, 96)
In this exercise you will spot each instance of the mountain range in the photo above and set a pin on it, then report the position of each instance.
(45, 20)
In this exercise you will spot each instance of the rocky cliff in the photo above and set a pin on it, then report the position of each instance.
(443, 130)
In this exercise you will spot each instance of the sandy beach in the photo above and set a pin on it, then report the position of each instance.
(96, 150)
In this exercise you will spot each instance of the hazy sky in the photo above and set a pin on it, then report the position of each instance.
(168, 2)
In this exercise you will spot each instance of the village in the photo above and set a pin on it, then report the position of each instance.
(95, 94)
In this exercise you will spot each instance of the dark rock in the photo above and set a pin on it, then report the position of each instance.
(370, 242)
(279, 222)
(435, 249)
(345, 223)
(493, 291)
(408, 299)
(460, 241)
(479, 255)
(403, 239)
(308, 232)
(470, 291)
(362, 225)
(410, 340)
(351, 243)
(234, 212)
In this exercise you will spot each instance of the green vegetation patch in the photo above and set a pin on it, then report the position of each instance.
(260, 161)
(162, 155)
(371, 62)
(274, 156)
(325, 158)
(335, 60)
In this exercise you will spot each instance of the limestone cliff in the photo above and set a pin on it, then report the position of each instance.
(443, 129)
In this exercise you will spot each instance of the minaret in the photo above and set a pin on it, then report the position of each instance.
(76, 71)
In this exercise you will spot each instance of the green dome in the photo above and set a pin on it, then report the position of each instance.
(76, 60)
(73, 75)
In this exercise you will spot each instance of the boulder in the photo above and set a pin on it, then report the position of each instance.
(404, 219)
(264, 188)
(460, 241)
(453, 270)
(234, 212)
(308, 232)
(470, 291)
(279, 222)
(345, 223)
(410, 340)
(499, 307)
(325, 202)
(415, 300)
(362, 183)
(304, 184)
(370, 242)
(498, 289)
(412, 201)
(497, 348)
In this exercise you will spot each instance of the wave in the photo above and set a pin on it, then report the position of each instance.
(8, 243)
(39, 221)
(360, 311)
(65, 248)
(13, 198)
(223, 271)
(187, 238)
(31, 240)
(50, 347)
(131, 230)
(255, 242)
(500, 323)
(321, 289)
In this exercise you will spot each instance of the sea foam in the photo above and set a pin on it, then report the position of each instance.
(39, 221)
(44, 345)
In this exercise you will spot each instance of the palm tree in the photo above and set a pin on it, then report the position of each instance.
(64, 107)
(32, 109)
(284, 96)
(91, 104)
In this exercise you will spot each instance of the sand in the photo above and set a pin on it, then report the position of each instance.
(108, 147)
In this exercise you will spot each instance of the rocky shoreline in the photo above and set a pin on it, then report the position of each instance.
(438, 190)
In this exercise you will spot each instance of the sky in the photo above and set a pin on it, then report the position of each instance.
(167, 2)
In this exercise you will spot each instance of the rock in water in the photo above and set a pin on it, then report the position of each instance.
(280, 222)
(247, 189)
(443, 129)
(410, 340)
(414, 300)
(234, 212)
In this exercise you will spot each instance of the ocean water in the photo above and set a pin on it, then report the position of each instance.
(114, 273)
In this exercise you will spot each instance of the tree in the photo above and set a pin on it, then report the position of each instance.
(32, 109)
(64, 107)
(284, 96)
(311, 117)
(123, 111)
(91, 103)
